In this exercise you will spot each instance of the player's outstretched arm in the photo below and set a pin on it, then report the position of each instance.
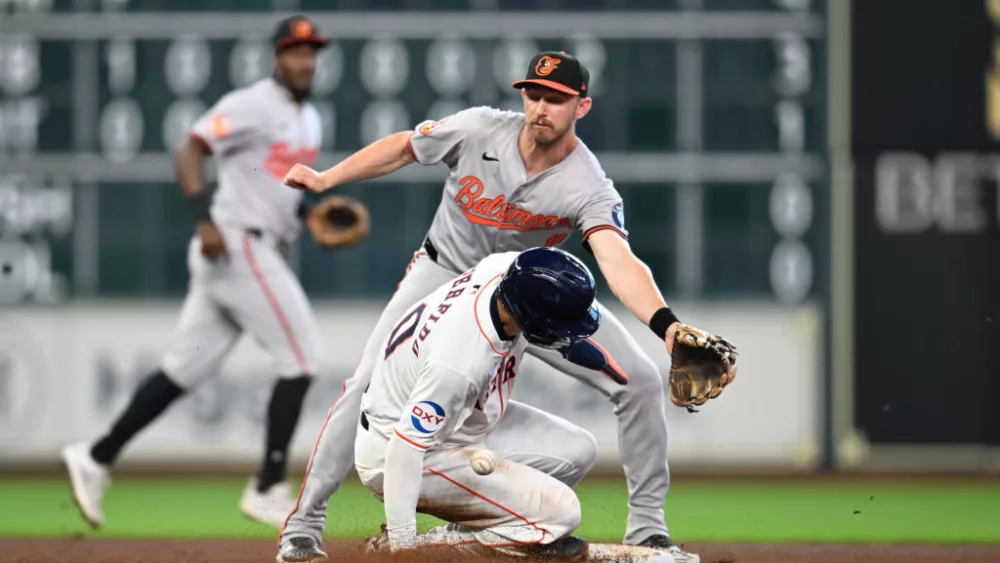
(431, 414)
(380, 158)
(702, 364)
(630, 279)
(404, 467)
(189, 162)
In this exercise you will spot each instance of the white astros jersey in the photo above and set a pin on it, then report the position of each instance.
(445, 375)
(257, 134)
(490, 206)
(442, 386)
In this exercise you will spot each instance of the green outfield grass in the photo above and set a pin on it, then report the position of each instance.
(756, 511)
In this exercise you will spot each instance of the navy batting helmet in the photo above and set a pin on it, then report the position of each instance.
(550, 294)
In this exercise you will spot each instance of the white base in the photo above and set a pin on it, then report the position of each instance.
(615, 553)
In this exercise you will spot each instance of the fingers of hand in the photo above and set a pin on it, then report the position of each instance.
(300, 177)
(292, 177)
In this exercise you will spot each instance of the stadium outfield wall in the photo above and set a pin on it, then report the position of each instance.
(66, 371)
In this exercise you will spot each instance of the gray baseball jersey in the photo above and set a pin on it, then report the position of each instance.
(257, 134)
(489, 205)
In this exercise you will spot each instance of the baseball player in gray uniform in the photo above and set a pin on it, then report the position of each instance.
(515, 181)
(239, 279)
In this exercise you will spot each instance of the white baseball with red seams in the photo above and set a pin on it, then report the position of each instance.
(255, 135)
(483, 461)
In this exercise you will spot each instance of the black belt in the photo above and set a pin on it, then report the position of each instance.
(431, 251)
(259, 234)
(364, 420)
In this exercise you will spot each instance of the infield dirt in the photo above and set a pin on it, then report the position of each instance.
(232, 551)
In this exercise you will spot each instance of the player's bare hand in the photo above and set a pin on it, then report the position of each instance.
(213, 246)
(301, 177)
(670, 337)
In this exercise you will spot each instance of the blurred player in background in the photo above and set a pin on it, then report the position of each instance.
(515, 181)
(240, 281)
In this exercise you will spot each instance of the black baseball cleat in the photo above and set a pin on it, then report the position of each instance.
(299, 550)
(662, 541)
(568, 548)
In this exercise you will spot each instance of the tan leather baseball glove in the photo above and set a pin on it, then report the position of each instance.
(338, 221)
(702, 364)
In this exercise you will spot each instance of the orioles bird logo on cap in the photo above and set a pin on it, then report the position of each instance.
(546, 65)
(301, 28)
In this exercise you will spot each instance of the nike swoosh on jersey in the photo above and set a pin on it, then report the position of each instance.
(486, 156)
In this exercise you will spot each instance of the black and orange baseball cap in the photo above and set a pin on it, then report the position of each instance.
(297, 30)
(558, 71)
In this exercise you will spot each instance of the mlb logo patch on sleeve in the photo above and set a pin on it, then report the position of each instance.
(427, 417)
(618, 215)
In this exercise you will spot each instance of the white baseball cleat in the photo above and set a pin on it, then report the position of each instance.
(271, 507)
(89, 480)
